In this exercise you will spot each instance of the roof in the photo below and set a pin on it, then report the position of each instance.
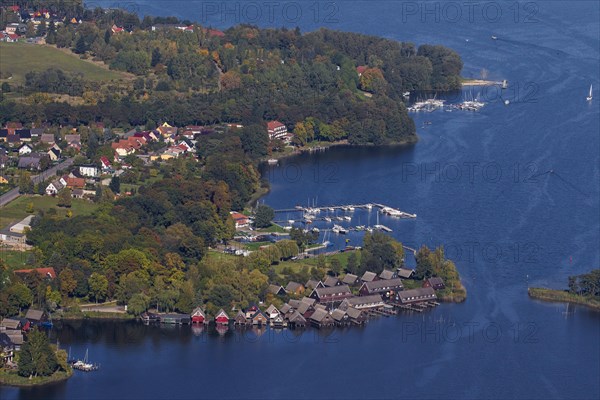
(271, 309)
(319, 315)
(349, 279)
(293, 286)
(285, 308)
(331, 281)
(275, 289)
(295, 303)
(435, 280)
(48, 271)
(361, 68)
(57, 184)
(333, 291)
(47, 138)
(297, 317)
(361, 300)
(383, 285)
(368, 276)
(303, 307)
(415, 294)
(308, 301)
(405, 273)
(353, 312)
(387, 274)
(10, 323)
(35, 315)
(338, 314)
(313, 283)
(271, 125)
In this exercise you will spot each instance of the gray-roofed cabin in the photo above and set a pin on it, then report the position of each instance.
(385, 287)
(10, 324)
(36, 316)
(294, 288)
(363, 302)
(340, 317)
(368, 276)
(356, 316)
(277, 290)
(296, 320)
(405, 273)
(388, 274)
(313, 284)
(240, 319)
(321, 318)
(331, 281)
(350, 279)
(434, 282)
(416, 295)
(331, 294)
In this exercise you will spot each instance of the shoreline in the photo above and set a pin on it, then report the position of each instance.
(14, 380)
(562, 296)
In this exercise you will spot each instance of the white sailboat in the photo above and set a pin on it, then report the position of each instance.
(589, 98)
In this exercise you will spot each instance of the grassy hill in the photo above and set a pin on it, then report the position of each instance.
(17, 59)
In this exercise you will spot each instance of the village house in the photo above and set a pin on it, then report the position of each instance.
(276, 290)
(240, 319)
(294, 288)
(416, 295)
(388, 274)
(198, 316)
(363, 302)
(331, 294)
(54, 187)
(72, 182)
(32, 161)
(296, 320)
(331, 281)
(321, 319)
(47, 138)
(89, 170)
(15, 234)
(405, 273)
(350, 279)
(340, 317)
(384, 286)
(435, 283)
(272, 312)
(259, 318)
(54, 153)
(369, 276)
(313, 284)
(279, 322)
(276, 130)
(241, 220)
(356, 316)
(24, 135)
(25, 149)
(222, 318)
(105, 163)
(10, 324)
(36, 317)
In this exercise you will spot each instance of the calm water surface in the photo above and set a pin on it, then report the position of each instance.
(480, 186)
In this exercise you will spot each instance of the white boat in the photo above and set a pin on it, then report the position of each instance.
(369, 206)
(331, 209)
(406, 94)
(338, 229)
(504, 84)
(291, 221)
(589, 98)
(350, 208)
(315, 229)
(327, 219)
(495, 37)
(273, 161)
(347, 218)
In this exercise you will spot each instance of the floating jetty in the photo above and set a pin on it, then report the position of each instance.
(312, 211)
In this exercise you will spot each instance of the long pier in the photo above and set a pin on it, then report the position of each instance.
(350, 207)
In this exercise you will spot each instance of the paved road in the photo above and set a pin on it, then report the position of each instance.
(14, 193)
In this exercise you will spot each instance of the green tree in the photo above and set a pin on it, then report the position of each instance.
(41, 29)
(64, 198)
(115, 184)
(264, 216)
(25, 183)
(36, 357)
(67, 280)
(19, 297)
(424, 268)
(98, 286)
(138, 304)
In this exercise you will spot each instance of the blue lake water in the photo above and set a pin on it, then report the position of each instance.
(480, 184)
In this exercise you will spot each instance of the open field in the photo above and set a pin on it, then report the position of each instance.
(17, 209)
(17, 59)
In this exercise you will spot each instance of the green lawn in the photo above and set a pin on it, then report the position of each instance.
(17, 209)
(14, 259)
(273, 228)
(296, 265)
(20, 58)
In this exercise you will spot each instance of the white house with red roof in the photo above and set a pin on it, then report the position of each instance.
(240, 219)
(276, 130)
(105, 163)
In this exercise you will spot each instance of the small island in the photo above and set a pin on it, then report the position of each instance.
(583, 289)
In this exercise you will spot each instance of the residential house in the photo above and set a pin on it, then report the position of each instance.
(3, 180)
(116, 29)
(350, 279)
(198, 316)
(340, 317)
(385, 287)
(25, 149)
(369, 276)
(313, 284)
(286, 308)
(54, 153)
(276, 290)
(32, 161)
(272, 312)
(416, 295)
(24, 134)
(166, 130)
(356, 316)
(388, 274)
(259, 318)
(331, 294)
(13, 140)
(331, 281)
(89, 170)
(361, 69)
(279, 322)
(54, 187)
(105, 163)
(3, 135)
(435, 282)
(72, 182)
(240, 319)
(36, 317)
(47, 138)
(321, 318)
(10, 324)
(296, 320)
(276, 130)
(294, 288)
(240, 219)
(222, 318)
(363, 302)
(73, 138)
(405, 273)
